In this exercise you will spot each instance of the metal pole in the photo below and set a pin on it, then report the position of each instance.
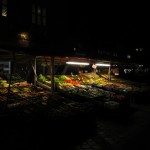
(109, 73)
(34, 70)
(52, 75)
(35, 75)
(11, 72)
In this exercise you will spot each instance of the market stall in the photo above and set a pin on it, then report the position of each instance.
(80, 80)
(16, 83)
(26, 89)
(39, 80)
(84, 79)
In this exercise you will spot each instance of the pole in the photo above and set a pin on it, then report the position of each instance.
(35, 75)
(11, 72)
(109, 73)
(52, 75)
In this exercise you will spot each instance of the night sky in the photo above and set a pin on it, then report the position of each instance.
(111, 25)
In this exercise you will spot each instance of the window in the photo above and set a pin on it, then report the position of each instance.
(128, 56)
(4, 8)
(115, 54)
(44, 16)
(38, 15)
(33, 14)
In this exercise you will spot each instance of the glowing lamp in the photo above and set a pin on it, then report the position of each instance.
(77, 63)
(105, 65)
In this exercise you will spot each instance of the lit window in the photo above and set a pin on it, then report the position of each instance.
(129, 56)
(4, 8)
(115, 54)
(23, 36)
(74, 48)
(38, 15)
(39, 10)
(137, 49)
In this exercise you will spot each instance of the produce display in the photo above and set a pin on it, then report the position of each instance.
(94, 87)
(21, 93)
(23, 97)
(115, 85)
(78, 91)
(45, 79)
(82, 88)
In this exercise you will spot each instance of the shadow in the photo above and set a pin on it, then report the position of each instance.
(42, 133)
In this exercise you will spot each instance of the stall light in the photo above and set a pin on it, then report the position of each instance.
(76, 63)
(106, 65)
(140, 65)
(115, 65)
(128, 56)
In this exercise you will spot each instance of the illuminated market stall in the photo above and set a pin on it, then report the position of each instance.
(16, 82)
(79, 81)
(21, 92)
(83, 79)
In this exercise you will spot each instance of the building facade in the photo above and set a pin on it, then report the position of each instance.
(45, 26)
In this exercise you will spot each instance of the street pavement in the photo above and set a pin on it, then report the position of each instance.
(102, 131)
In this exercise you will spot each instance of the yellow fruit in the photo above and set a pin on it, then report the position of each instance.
(26, 89)
(15, 90)
(5, 85)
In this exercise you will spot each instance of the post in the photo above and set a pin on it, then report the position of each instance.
(109, 73)
(52, 75)
(34, 68)
(11, 72)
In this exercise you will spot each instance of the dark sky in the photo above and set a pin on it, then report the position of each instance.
(122, 25)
